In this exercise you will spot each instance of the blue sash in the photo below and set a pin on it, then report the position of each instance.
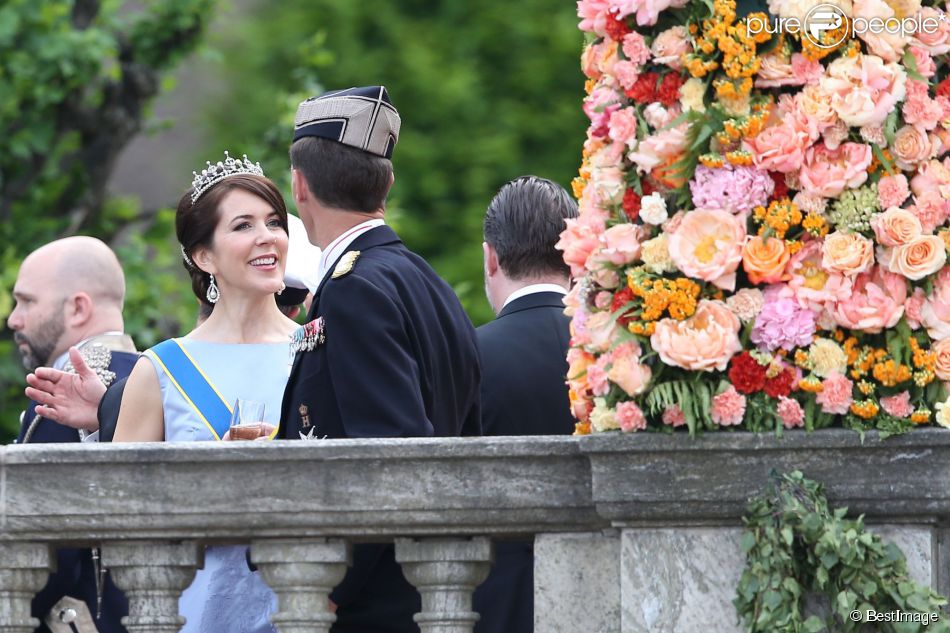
(194, 386)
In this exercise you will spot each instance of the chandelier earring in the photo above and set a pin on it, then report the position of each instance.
(213, 294)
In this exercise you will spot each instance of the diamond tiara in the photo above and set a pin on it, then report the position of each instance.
(214, 174)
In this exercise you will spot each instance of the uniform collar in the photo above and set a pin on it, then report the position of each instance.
(533, 288)
(337, 247)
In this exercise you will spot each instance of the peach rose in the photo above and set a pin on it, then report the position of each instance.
(888, 46)
(815, 103)
(935, 312)
(578, 361)
(577, 242)
(627, 372)
(876, 303)
(918, 258)
(703, 342)
(934, 34)
(669, 47)
(707, 245)
(942, 349)
(775, 70)
(601, 328)
(847, 253)
(764, 259)
(912, 146)
(828, 172)
(863, 88)
(895, 227)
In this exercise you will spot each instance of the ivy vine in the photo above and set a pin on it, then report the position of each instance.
(797, 547)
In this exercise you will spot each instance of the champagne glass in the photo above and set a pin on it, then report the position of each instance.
(247, 419)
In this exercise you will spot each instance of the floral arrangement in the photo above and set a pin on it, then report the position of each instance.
(762, 239)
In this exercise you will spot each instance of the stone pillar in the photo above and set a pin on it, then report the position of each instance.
(24, 569)
(153, 574)
(446, 572)
(577, 582)
(302, 572)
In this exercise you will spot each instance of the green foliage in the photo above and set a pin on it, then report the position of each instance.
(796, 546)
(488, 91)
(75, 79)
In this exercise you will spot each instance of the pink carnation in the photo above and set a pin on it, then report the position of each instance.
(931, 208)
(790, 412)
(836, 395)
(626, 73)
(623, 126)
(913, 307)
(899, 406)
(673, 416)
(635, 48)
(806, 71)
(728, 408)
(892, 190)
(597, 377)
(630, 417)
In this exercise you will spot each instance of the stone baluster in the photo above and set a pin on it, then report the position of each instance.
(24, 569)
(153, 574)
(302, 572)
(446, 572)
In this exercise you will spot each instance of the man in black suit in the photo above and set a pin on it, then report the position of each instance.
(523, 355)
(70, 293)
(390, 352)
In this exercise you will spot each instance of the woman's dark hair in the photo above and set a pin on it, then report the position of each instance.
(195, 223)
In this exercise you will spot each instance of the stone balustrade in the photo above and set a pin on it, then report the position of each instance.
(632, 532)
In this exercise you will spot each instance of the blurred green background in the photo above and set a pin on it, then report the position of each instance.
(106, 106)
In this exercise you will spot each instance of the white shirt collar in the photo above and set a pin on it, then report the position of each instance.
(532, 289)
(338, 246)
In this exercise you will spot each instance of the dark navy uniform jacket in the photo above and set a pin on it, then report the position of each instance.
(524, 369)
(75, 572)
(399, 360)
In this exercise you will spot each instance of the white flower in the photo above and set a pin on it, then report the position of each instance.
(943, 414)
(691, 94)
(653, 209)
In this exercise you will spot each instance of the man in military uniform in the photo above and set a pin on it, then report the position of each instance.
(523, 356)
(388, 352)
(70, 293)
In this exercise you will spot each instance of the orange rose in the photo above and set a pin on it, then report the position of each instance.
(895, 227)
(847, 253)
(922, 256)
(912, 146)
(764, 259)
(942, 349)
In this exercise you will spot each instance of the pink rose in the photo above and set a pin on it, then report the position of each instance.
(895, 226)
(934, 34)
(707, 245)
(888, 46)
(876, 303)
(778, 148)
(912, 146)
(703, 342)
(670, 46)
(776, 70)
(828, 172)
(935, 313)
(630, 417)
(942, 350)
(918, 258)
(577, 241)
(926, 65)
(593, 14)
(847, 253)
(622, 243)
(836, 394)
(864, 89)
(728, 408)
(601, 329)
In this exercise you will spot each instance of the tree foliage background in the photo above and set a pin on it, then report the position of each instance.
(488, 90)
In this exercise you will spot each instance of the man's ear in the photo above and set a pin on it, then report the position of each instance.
(490, 259)
(298, 186)
(77, 309)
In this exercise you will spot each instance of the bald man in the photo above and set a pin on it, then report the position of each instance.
(70, 292)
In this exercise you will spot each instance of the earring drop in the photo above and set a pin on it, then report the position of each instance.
(213, 294)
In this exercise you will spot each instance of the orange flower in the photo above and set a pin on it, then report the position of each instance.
(765, 259)
(668, 175)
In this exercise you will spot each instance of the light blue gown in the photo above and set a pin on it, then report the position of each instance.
(225, 595)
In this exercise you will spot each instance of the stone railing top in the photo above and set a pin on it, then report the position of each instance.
(415, 487)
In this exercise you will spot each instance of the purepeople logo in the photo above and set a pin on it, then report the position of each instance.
(822, 25)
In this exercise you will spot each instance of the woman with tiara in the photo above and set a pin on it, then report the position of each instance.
(232, 227)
